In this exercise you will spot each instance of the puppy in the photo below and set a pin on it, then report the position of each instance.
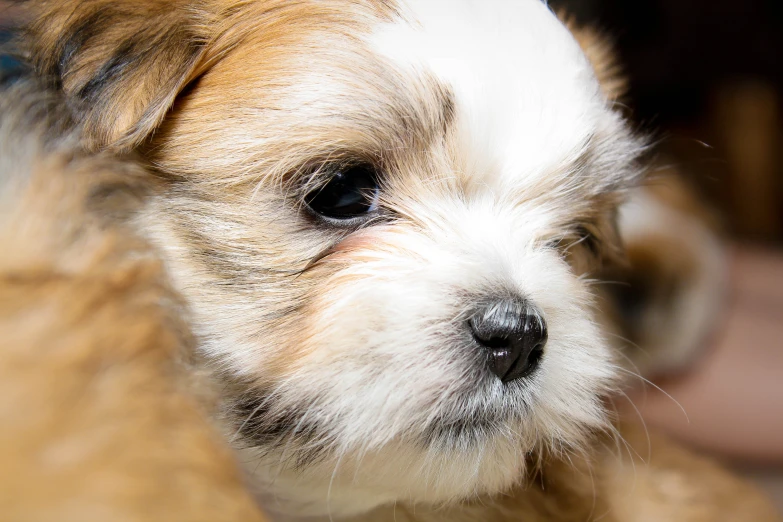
(96, 422)
(382, 216)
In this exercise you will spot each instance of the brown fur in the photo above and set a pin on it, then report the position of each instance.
(93, 50)
(123, 64)
(176, 85)
(598, 49)
(246, 60)
(96, 425)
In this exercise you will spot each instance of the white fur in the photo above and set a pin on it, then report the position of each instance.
(527, 100)
(383, 325)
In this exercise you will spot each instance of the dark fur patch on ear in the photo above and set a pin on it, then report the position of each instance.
(121, 64)
(73, 41)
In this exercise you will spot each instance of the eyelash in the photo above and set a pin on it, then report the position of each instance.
(589, 239)
(580, 235)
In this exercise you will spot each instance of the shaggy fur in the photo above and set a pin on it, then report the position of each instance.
(349, 381)
(96, 424)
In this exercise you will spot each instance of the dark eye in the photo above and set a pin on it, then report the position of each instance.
(351, 192)
(587, 238)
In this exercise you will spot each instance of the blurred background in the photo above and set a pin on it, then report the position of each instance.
(706, 79)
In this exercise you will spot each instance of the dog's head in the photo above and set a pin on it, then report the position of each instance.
(381, 213)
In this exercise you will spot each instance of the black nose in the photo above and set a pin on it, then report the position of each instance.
(514, 336)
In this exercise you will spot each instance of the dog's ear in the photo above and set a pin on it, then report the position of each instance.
(121, 63)
(600, 52)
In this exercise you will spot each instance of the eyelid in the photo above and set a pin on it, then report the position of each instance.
(315, 177)
(583, 231)
(318, 174)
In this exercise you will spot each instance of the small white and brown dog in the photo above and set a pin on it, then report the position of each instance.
(383, 216)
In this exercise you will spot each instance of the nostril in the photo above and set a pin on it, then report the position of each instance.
(488, 338)
(513, 336)
(496, 343)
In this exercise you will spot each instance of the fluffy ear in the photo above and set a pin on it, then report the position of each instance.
(121, 63)
(598, 49)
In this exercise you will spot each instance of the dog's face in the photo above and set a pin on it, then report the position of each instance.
(382, 217)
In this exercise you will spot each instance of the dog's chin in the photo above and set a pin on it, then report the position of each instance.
(478, 443)
(472, 430)
(455, 461)
(483, 411)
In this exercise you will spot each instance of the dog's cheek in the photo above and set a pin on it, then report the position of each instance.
(239, 265)
(382, 345)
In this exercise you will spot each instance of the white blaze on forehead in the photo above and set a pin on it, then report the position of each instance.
(526, 96)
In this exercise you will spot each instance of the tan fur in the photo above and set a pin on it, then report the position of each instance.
(176, 41)
(96, 423)
(598, 49)
(214, 95)
(671, 483)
